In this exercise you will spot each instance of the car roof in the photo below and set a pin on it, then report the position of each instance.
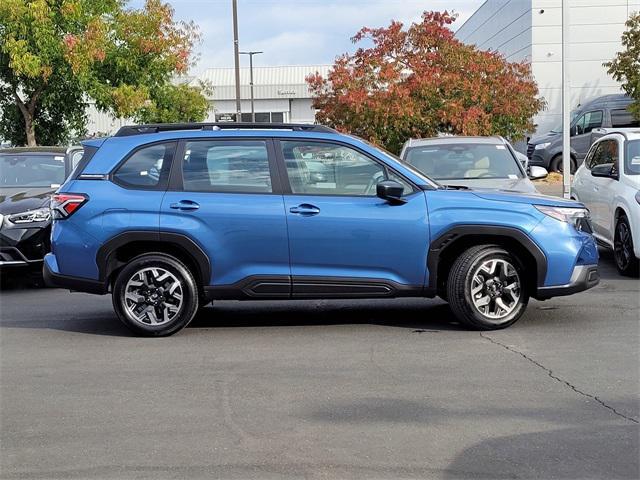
(628, 133)
(37, 150)
(612, 98)
(418, 142)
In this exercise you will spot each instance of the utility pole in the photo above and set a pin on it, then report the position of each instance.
(236, 58)
(251, 54)
(566, 104)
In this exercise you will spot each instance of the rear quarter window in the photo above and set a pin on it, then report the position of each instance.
(147, 167)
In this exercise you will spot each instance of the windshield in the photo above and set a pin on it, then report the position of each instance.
(632, 163)
(464, 161)
(30, 170)
(558, 129)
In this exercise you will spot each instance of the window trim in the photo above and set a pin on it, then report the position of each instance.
(286, 186)
(161, 186)
(176, 179)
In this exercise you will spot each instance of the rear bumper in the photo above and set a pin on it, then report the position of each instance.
(583, 278)
(56, 280)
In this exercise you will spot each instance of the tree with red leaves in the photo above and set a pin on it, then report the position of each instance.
(422, 81)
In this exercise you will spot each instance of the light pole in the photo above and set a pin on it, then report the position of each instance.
(236, 56)
(566, 104)
(251, 54)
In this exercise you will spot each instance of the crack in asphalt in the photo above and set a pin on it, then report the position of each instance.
(558, 379)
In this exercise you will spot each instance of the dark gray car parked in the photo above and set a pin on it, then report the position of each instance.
(609, 111)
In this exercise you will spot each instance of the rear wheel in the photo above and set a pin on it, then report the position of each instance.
(626, 261)
(155, 295)
(485, 288)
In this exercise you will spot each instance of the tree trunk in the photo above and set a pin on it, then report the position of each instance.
(29, 130)
(28, 112)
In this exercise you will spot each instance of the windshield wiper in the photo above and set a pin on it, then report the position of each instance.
(446, 186)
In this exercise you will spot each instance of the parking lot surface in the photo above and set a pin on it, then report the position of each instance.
(322, 389)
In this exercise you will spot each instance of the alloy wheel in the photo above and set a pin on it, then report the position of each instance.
(153, 296)
(495, 288)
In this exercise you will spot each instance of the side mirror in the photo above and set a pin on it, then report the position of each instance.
(391, 191)
(605, 170)
(536, 172)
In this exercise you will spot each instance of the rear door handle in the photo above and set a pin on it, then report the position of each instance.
(185, 205)
(305, 209)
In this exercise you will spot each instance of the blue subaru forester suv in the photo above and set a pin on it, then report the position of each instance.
(168, 218)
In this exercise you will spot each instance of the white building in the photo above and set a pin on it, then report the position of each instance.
(531, 30)
(281, 94)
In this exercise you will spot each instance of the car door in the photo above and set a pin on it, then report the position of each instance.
(607, 187)
(602, 190)
(343, 239)
(581, 138)
(582, 180)
(225, 195)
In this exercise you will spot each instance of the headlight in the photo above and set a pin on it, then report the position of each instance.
(638, 196)
(579, 217)
(32, 216)
(541, 146)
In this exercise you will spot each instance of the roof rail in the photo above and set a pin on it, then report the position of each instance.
(129, 130)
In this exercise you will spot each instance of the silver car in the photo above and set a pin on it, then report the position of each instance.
(474, 162)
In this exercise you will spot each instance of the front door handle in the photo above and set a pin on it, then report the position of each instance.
(185, 205)
(305, 209)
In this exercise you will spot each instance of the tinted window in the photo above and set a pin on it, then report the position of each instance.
(277, 117)
(331, 169)
(147, 168)
(226, 166)
(632, 163)
(623, 119)
(25, 170)
(463, 161)
(588, 122)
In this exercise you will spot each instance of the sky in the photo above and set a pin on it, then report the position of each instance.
(296, 32)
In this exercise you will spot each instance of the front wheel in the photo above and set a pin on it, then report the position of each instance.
(155, 295)
(558, 166)
(485, 288)
(626, 261)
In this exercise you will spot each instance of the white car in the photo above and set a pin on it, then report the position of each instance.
(474, 162)
(608, 183)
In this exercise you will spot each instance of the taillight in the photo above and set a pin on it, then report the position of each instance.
(64, 205)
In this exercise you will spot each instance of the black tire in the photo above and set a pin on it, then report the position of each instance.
(626, 261)
(461, 279)
(159, 298)
(556, 164)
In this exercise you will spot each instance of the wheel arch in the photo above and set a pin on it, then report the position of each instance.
(445, 248)
(117, 251)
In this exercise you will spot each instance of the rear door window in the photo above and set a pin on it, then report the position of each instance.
(622, 118)
(226, 166)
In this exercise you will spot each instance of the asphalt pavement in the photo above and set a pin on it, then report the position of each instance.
(322, 389)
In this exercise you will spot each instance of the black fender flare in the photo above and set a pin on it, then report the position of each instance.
(105, 262)
(446, 239)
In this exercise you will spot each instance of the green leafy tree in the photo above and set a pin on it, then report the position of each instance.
(420, 81)
(68, 50)
(176, 103)
(625, 67)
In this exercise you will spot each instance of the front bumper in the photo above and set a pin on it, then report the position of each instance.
(24, 247)
(583, 278)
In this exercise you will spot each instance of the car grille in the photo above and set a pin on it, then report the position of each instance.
(530, 149)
